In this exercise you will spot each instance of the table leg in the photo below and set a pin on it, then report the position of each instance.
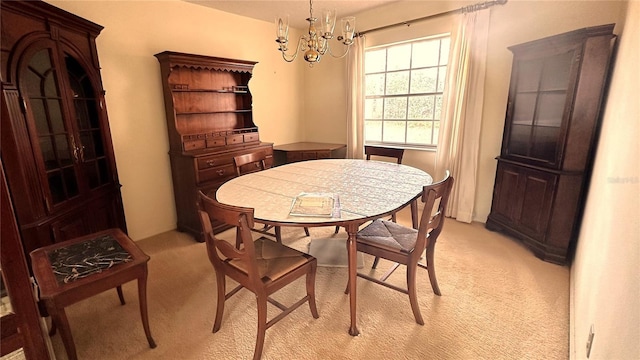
(142, 297)
(353, 268)
(59, 318)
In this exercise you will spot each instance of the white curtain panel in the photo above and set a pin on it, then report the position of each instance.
(459, 140)
(355, 100)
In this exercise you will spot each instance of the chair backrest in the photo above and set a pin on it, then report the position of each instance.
(396, 153)
(435, 198)
(243, 162)
(221, 251)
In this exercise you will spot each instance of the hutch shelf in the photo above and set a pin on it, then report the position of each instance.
(549, 140)
(209, 121)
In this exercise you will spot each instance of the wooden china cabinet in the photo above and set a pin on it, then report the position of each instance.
(56, 142)
(550, 135)
(209, 121)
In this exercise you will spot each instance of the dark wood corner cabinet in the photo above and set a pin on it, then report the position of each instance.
(56, 142)
(209, 120)
(551, 128)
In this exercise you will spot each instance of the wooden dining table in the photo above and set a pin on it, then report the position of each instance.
(364, 190)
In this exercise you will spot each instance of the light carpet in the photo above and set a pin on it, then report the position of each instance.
(332, 251)
(498, 302)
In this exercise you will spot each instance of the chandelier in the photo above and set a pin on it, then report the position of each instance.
(315, 43)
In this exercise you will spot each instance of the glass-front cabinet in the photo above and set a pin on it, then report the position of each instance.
(56, 143)
(549, 139)
(541, 90)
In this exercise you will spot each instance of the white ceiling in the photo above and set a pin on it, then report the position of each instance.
(298, 10)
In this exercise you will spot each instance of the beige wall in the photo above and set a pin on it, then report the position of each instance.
(605, 278)
(136, 30)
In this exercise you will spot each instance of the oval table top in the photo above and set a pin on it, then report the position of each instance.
(366, 190)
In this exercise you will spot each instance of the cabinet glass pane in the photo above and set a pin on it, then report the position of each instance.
(48, 155)
(528, 75)
(39, 116)
(87, 114)
(70, 181)
(56, 187)
(556, 72)
(55, 116)
(550, 109)
(62, 148)
(545, 143)
(524, 109)
(519, 140)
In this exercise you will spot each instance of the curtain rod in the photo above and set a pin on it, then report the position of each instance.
(464, 9)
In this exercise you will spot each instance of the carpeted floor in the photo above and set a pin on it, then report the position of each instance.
(498, 302)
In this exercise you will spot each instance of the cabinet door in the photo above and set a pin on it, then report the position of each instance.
(64, 123)
(537, 190)
(523, 198)
(505, 198)
(540, 99)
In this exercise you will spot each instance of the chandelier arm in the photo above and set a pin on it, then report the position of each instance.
(292, 57)
(348, 47)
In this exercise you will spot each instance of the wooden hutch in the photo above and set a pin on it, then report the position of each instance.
(209, 121)
(551, 130)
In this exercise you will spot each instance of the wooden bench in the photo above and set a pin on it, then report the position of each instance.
(76, 269)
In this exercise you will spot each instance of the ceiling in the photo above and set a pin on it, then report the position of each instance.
(298, 10)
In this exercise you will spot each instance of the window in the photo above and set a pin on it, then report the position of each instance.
(404, 84)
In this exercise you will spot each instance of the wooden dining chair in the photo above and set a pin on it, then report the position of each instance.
(261, 266)
(252, 162)
(404, 245)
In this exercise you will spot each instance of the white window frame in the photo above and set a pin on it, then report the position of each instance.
(437, 96)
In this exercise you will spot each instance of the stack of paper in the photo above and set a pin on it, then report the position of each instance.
(314, 204)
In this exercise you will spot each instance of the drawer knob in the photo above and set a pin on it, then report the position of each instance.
(211, 163)
(220, 172)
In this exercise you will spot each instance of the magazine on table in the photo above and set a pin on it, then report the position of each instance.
(315, 204)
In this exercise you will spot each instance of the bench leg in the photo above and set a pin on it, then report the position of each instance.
(142, 296)
(120, 295)
(59, 318)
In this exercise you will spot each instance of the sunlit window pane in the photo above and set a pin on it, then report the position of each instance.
(420, 108)
(438, 108)
(419, 132)
(375, 61)
(424, 80)
(399, 57)
(373, 131)
(394, 131)
(395, 108)
(397, 83)
(444, 51)
(374, 84)
(373, 108)
(426, 53)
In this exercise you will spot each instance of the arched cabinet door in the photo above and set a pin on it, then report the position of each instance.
(64, 115)
(59, 159)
